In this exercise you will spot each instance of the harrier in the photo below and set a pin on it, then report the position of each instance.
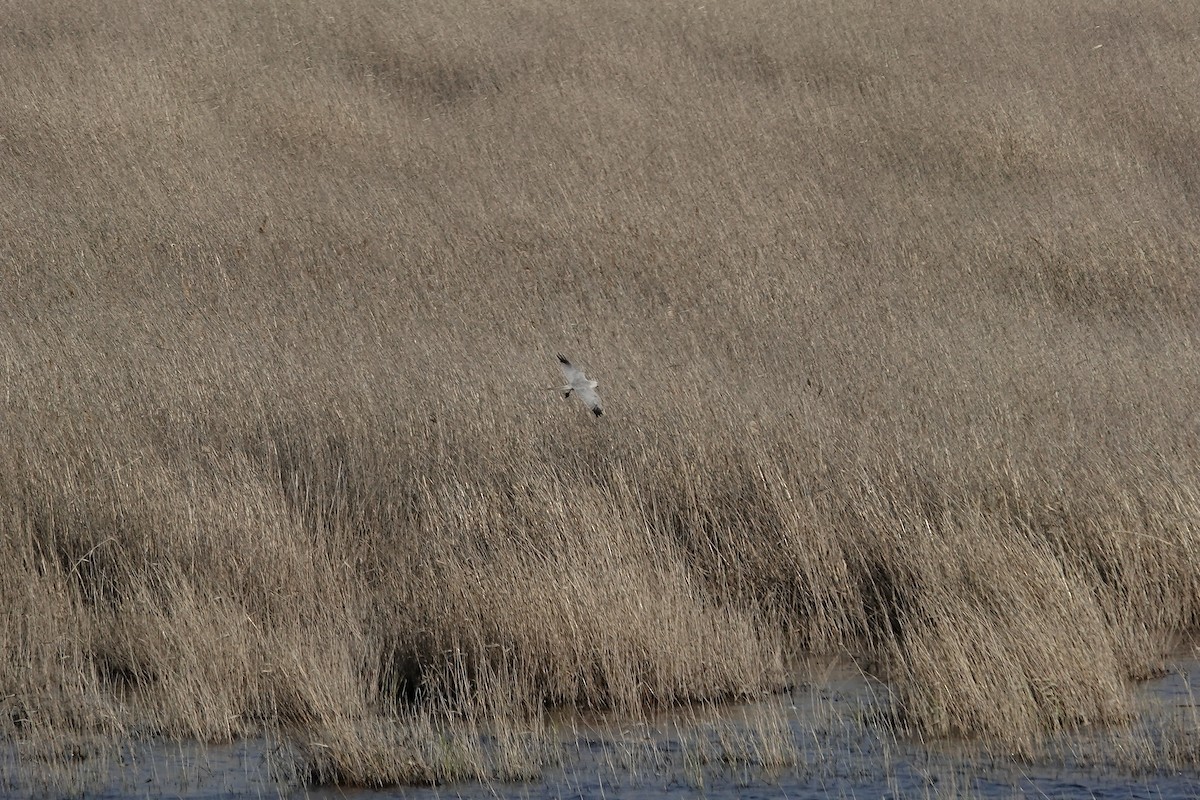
(579, 383)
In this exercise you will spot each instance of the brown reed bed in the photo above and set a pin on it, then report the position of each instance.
(894, 324)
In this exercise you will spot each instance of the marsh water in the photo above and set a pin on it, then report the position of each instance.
(828, 737)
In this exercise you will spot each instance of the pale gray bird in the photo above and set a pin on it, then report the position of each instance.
(579, 383)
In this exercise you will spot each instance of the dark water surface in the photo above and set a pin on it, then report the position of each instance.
(838, 745)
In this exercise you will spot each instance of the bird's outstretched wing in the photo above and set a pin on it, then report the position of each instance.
(590, 399)
(573, 374)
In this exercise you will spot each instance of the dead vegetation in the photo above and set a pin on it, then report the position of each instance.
(895, 322)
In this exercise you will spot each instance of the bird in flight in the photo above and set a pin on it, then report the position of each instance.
(579, 383)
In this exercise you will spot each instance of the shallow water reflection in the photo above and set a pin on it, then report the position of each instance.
(827, 738)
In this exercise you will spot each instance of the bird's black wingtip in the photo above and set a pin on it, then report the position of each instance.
(563, 359)
(599, 412)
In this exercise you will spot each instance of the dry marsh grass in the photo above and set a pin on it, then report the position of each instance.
(893, 311)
